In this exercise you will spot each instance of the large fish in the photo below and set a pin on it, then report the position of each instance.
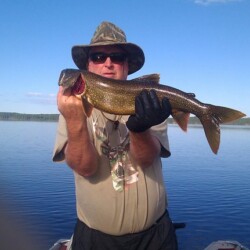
(118, 97)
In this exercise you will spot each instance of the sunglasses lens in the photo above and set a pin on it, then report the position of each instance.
(118, 57)
(98, 57)
(102, 57)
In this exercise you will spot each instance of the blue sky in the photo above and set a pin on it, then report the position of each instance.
(199, 46)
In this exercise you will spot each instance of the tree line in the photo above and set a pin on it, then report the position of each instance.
(8, 116)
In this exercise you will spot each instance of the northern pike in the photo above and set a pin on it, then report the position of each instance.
(118, 97)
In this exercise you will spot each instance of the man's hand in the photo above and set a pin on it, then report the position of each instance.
(70, 106)
(148, 111)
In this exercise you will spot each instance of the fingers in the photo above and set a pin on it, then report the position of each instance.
(139, 110)
(149, 105)
(166, 107)
(154, 100)
(149, 102)
(63, 91)
(62, 95)
(66, 101)
(60, 91)
(146, 102)
(149, 111)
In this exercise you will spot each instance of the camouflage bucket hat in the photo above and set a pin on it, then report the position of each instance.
(108, 34)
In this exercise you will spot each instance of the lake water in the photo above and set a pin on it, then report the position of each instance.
(210, 193)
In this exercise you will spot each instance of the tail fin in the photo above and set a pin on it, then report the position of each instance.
(225, 115)
(215, 116)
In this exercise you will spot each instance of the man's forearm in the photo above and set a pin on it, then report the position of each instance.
(80, 153)
(144, 148)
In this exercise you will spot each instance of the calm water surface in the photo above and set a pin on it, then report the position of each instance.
(211, 193)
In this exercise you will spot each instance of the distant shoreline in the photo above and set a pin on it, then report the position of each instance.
(12, 116)
(9, 116)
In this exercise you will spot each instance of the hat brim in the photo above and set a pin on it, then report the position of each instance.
(136, 56)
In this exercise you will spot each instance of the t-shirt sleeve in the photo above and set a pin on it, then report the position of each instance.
(161, 132)
(61, 140)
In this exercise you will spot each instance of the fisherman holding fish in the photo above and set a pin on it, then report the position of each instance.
(116, 159)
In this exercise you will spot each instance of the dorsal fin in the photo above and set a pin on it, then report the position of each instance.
(87, 107)
(152, 78)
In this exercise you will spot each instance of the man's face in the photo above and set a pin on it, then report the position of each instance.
(100, 64)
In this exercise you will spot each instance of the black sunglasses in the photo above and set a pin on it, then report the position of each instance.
(100, 57)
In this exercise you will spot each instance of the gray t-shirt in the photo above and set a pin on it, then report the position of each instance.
(121, 197)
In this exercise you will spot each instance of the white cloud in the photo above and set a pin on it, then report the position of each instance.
(207, 2)
(39, 94)
(34, 94)
(37, 97)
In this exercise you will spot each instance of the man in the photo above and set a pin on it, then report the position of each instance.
(120, 193)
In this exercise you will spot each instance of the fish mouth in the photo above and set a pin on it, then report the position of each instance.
(79, 86)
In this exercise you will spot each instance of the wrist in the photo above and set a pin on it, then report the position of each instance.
(138, 130)
(136, 126)
(75, 128)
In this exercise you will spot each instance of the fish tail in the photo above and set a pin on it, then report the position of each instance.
(211, 121)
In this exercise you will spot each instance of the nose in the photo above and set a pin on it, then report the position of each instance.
(108, 62)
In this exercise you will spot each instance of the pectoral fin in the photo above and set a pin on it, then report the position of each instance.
(181, 118)
(87, 107)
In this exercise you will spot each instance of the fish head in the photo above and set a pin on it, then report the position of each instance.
(79, 88)
(67, 78)
(73, 79)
